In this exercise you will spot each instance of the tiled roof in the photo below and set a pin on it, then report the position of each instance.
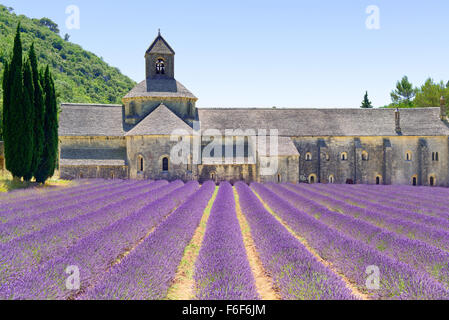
(91, 120)
(164, 88)
(162, 121)
(161, 46)
(326, 122)
(92, 162)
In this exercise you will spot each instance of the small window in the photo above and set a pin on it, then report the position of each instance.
(160, 66)
(279, 178)
(165, 164)
(331, 179)
(365, 156)
(344, 156)
(435, 156)
(414, 181)
(308, 156)
(432, 181)
(140, 164)
(408, 156)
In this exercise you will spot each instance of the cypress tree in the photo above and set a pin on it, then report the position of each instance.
(39, 109)
(14, 124)
(49, 158)
(28, 119)
(366, 104)
(6, 86)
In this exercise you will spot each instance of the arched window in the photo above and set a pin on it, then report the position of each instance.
(140, 164)
(344, 156)
(365, 156)
(308, 156)
(331, 179)
(432, 181)
(160, 66)
(408, 156)
(378, 179)
(312, 179)
(165, 164)
(415, 180)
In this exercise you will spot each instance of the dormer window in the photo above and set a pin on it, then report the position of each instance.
(160, 66)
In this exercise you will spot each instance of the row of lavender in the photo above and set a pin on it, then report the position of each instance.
(429, 229)
(336, 243)
(418, 254)
(96, 253)
(422, 201)
(24, 254)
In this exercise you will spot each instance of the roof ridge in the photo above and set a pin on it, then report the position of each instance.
(68, 104)
(319, 109)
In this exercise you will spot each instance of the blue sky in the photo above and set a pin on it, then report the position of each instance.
(249, 53)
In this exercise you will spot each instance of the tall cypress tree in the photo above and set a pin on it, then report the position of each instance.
(39, 110)
(14, 124)
(28, 119)
(6, 87)
(49, 158)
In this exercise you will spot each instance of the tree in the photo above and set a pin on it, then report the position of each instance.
(49, 24)
(49, 158)
(366, 104)
(38, 112)
(404, 93)
(430, 93)
(16, 124)
(5, 87)
(28, 120)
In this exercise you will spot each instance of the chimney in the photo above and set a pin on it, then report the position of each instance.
(397, 120)
(443, 111)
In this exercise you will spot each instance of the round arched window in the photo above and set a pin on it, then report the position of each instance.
(160, 66)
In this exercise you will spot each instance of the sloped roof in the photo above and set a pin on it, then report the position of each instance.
(326, 122)
(91, 120)
(162, 121)
(164, 88)
(161, 46)
(93, 153)
(92, 162)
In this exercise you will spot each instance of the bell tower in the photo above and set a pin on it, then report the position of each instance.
(160, 60)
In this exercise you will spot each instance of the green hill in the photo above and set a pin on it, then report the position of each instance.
(80, 76)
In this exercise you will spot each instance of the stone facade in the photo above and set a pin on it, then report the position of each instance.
(135, 140)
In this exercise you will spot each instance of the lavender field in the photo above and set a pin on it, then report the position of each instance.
(172, 240)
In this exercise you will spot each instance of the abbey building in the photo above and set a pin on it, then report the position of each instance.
(135, 140)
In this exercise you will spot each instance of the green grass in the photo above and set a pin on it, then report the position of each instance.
(8, 184)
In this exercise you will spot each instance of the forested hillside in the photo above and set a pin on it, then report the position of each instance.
(80, 76)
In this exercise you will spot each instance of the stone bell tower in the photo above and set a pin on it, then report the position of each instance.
(160, 61)
(159, 87)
